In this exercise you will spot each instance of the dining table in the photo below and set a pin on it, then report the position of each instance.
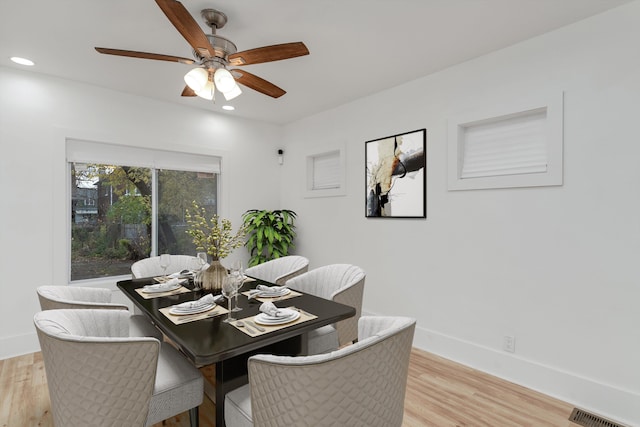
(210, 340)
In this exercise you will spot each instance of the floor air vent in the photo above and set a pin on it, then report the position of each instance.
(586, 419)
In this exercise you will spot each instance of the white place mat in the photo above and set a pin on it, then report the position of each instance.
(149, 295)
(252, 329)
(178, 320)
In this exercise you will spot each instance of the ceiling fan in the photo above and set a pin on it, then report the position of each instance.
(214, 55)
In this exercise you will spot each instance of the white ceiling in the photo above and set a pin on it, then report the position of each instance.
(358, 47)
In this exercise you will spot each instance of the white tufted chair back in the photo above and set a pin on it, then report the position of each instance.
(343, 283)
(114, 361)
(150, 267)
(59, 297)
(279, 270)
(100, 376)
(76, 297)
(361, 385)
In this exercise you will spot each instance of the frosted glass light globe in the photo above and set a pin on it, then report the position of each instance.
(196, 79)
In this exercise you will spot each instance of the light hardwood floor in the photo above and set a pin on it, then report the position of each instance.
(440, 393)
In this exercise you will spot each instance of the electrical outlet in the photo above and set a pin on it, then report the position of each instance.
(509, 343)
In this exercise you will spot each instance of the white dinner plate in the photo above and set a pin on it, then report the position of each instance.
(180, 275)
(155, 290)
(271, 294)
(265, 319)
(182, 311)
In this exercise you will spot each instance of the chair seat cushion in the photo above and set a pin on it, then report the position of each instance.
(179, 386)
(139, 326)
(237, 407)
(322, 340)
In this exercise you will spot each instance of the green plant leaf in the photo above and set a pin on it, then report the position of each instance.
(270, 233)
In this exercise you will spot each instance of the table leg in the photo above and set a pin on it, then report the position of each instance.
(232, 373)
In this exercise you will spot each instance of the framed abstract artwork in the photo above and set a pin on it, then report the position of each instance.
(396, 176)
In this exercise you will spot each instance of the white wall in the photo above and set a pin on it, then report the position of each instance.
(556, 267)
(553, 266)
(37, 113)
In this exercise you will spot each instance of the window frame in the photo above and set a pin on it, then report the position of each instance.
(552, 104)
(339, 151)
(86, 151)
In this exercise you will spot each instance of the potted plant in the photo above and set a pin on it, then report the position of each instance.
(271, 234)
(214, 236)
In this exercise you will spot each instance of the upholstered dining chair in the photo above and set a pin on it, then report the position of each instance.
(77, 297)
(150, 267)
(343, 283)
(279, 270)
(100, 376)
(361, 385)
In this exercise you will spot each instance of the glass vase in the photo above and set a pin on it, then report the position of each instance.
(214, 276)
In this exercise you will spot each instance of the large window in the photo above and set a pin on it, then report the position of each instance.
(125, 208)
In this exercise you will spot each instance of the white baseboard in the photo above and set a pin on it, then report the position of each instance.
(18, 345)
(602, 399)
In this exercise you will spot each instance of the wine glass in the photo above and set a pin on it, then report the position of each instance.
(238, 267)
(196, 266)
(165, 260)
(228, 291)
(202, 258)
(237, 272)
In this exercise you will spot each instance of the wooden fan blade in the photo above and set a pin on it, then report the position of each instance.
(187, 26)
(144, 55)
(187, 91)
(274, 52)
(259, 84)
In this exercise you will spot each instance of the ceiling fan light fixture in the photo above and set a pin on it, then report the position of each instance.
(197, 79)
(207, 92)
(234, 92)
(224, 80)
(213, 54)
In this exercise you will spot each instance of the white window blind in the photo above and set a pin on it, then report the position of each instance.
(512, 146)
(326, 171)
(507, 144)
(98, 152)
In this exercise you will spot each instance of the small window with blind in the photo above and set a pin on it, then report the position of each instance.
(520, 146)
(325, 174)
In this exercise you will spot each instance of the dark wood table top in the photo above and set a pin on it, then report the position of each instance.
(211, 340)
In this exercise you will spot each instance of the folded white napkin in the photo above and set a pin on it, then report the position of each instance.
(205, 300)
(270, 309)
(171, 283)
(181, 273)
(264, 289)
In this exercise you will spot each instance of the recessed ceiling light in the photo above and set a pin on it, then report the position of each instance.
(228, 107)
(22, 61)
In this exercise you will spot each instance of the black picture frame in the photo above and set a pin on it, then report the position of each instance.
(396, 176)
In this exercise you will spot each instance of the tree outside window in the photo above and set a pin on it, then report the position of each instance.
(111, 215)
